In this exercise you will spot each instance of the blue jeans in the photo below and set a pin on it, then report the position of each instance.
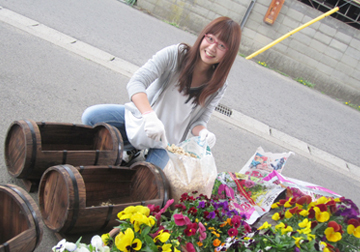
(114, 115)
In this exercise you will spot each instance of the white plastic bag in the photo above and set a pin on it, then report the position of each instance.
(262, 163)
(187, 173)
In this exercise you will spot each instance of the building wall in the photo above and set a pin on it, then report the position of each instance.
(326, 53)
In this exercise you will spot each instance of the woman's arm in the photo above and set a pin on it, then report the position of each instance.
(141, 102)
(196, 130)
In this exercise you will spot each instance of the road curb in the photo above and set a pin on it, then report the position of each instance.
(127, 69)
(69, 43)
(293, 144)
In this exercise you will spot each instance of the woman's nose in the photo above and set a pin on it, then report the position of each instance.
(213, 46)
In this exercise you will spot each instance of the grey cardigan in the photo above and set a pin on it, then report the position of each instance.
(156, 75)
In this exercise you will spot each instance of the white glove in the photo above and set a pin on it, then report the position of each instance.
(208, 136)
(154, 128)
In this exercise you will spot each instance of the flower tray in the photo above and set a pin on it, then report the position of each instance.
(85, 199)
(32, 147)
(21, 228)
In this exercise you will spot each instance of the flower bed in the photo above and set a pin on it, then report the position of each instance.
(203, 224)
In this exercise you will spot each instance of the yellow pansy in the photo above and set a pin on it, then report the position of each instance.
(306, 230)
(304, 212)
(305, 223)
(288, 204)
(297, 240)
(105, 238)
(162, 236)
(288, 214)
(280, 225)
(166, 248)
(337, 200)
(286, 230)
(264, 226)
(137, 219)
(321, 216)
(126, 240)
(216, 234)
(311, 236)
(354, 231)
(331, 235)
(322, 200)
(299, 206)
(276, 216)
(275, 205)
(130, 210)
(323, 247)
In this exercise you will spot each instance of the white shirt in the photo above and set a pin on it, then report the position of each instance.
(174, 113)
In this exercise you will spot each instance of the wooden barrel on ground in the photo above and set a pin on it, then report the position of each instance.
(85, 199)
(21, 228)
(32, 147)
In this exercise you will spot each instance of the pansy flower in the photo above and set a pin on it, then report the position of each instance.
(190, 229)
(125, 241)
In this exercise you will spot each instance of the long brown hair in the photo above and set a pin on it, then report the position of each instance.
(227, 31)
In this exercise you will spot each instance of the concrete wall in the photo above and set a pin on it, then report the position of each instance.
(326, 53)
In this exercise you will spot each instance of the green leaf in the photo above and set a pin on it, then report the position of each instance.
(150, 245)
(145, 231)
(78, 242)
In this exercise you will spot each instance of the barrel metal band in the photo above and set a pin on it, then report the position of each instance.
(32, 211)
(6, 247)
(119, 138)
(33, 154)
(76, 198)
(108, 217)
(64, 156)
(97, 157)
(166, 193)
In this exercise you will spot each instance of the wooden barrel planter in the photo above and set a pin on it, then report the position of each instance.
(85, 199)
(21, 228)
(32, 147)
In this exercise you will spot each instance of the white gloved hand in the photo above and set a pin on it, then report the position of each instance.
(208, 136)
(154, 128)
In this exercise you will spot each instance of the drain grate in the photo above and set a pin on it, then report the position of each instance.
(223, 110)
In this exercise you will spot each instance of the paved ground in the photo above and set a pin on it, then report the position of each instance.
(46, 77)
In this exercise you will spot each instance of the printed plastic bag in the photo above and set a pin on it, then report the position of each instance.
(262, 163)
(298, 188)
(249, 196)
(191, 168)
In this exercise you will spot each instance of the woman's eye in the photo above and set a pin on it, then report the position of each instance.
(223, 47)
(210, 39)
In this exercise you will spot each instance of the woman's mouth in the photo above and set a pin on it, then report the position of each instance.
(209, 54)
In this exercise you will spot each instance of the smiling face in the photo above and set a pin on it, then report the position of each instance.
(210, 53)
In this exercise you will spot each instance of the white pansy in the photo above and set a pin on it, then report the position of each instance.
(82, 249)
(96, 242)
(70, 246)
(105, 249)
(60, 247)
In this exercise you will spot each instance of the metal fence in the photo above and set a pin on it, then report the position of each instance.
(349, 12)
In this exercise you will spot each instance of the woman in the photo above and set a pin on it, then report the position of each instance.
(174, 93)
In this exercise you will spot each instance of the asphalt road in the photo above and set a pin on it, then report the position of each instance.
(270, 98)
(44, 82)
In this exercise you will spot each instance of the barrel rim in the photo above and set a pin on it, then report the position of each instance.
(155, 169)
(30, 210)
(120, 146)
(29, 152)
